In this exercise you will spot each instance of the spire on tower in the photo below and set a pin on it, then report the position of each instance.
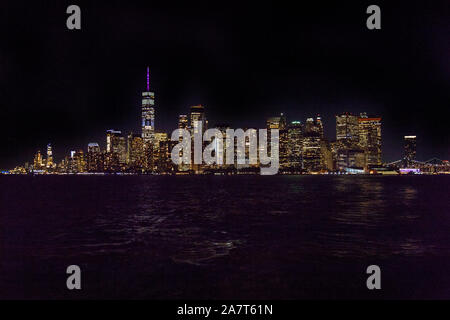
(148, 79)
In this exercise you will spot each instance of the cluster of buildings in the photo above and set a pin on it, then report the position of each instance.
(302, 148)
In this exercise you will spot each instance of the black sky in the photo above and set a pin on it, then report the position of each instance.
(243, 60)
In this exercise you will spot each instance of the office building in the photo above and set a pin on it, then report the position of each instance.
(183, 121)
(148, 112)
(295, 145)
(347, 129)
(410, 145)
(311, 153)
(94, 158)
(37, 163)
(116, 144)
(136, 159)
(49, 156)
(370, 139)
(197, 114)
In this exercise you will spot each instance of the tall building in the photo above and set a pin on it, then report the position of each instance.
(314, 127)
(222, 152)
(276, 123)
(319, 126)
(295, 144)
(311, 153)
(136, 159)
(148, 112)
(49, 156)
(250, 161)
(280, 124)
(116, 147)
(111, 139)
(161, 155)
(63, 166)
(347, 128)
(94, 158)
(326, 155)
(409, 149)
(197, 114)
(37, 163)
(183, 121)
(283, 151)
(309, 126)
(160, 137)
(70, 163)
(93, 147)
(347, 151)
(312, 145)
(79, 161)
(370, 138)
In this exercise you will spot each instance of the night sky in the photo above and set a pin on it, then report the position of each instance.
(245, 61)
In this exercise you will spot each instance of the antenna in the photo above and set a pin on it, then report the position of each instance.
(148, 79)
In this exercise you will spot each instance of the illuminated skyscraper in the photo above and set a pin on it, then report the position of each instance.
(135, 153)
(309, 126)
(197, 114)
(161, 155)
(319, 125)
(409, 149)
(116, 147)
(326, 155)
(222, 152)
(295, 144)
(347, 151)
(49, 156)
(79, 160)
(311, 152)
(148, 112)
(370, 138)
(276, 123)
(94, 158)
(63, 166)
(93, 147)
(244, 153)
(70, 163)
(37, 163)
(314, 127)
(347, 128)
(183, 121)
(280, 124)
(160, 137)
(312, 149)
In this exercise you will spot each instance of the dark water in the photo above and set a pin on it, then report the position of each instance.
(210, 237)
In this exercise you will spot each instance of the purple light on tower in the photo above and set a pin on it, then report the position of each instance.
(148, 79)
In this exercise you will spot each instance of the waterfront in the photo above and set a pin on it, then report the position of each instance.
(207, 237)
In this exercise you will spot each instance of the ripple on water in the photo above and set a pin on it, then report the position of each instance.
(204, 252)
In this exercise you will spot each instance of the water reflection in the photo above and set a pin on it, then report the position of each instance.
(214, 228)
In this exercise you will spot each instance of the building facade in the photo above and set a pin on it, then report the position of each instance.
(409, 150)
(370, 139)
(295, 145)
(148, 112)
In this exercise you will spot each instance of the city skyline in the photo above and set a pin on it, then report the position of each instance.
(224, 158)
(149, 94)
(264, 61)
(303, 146)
